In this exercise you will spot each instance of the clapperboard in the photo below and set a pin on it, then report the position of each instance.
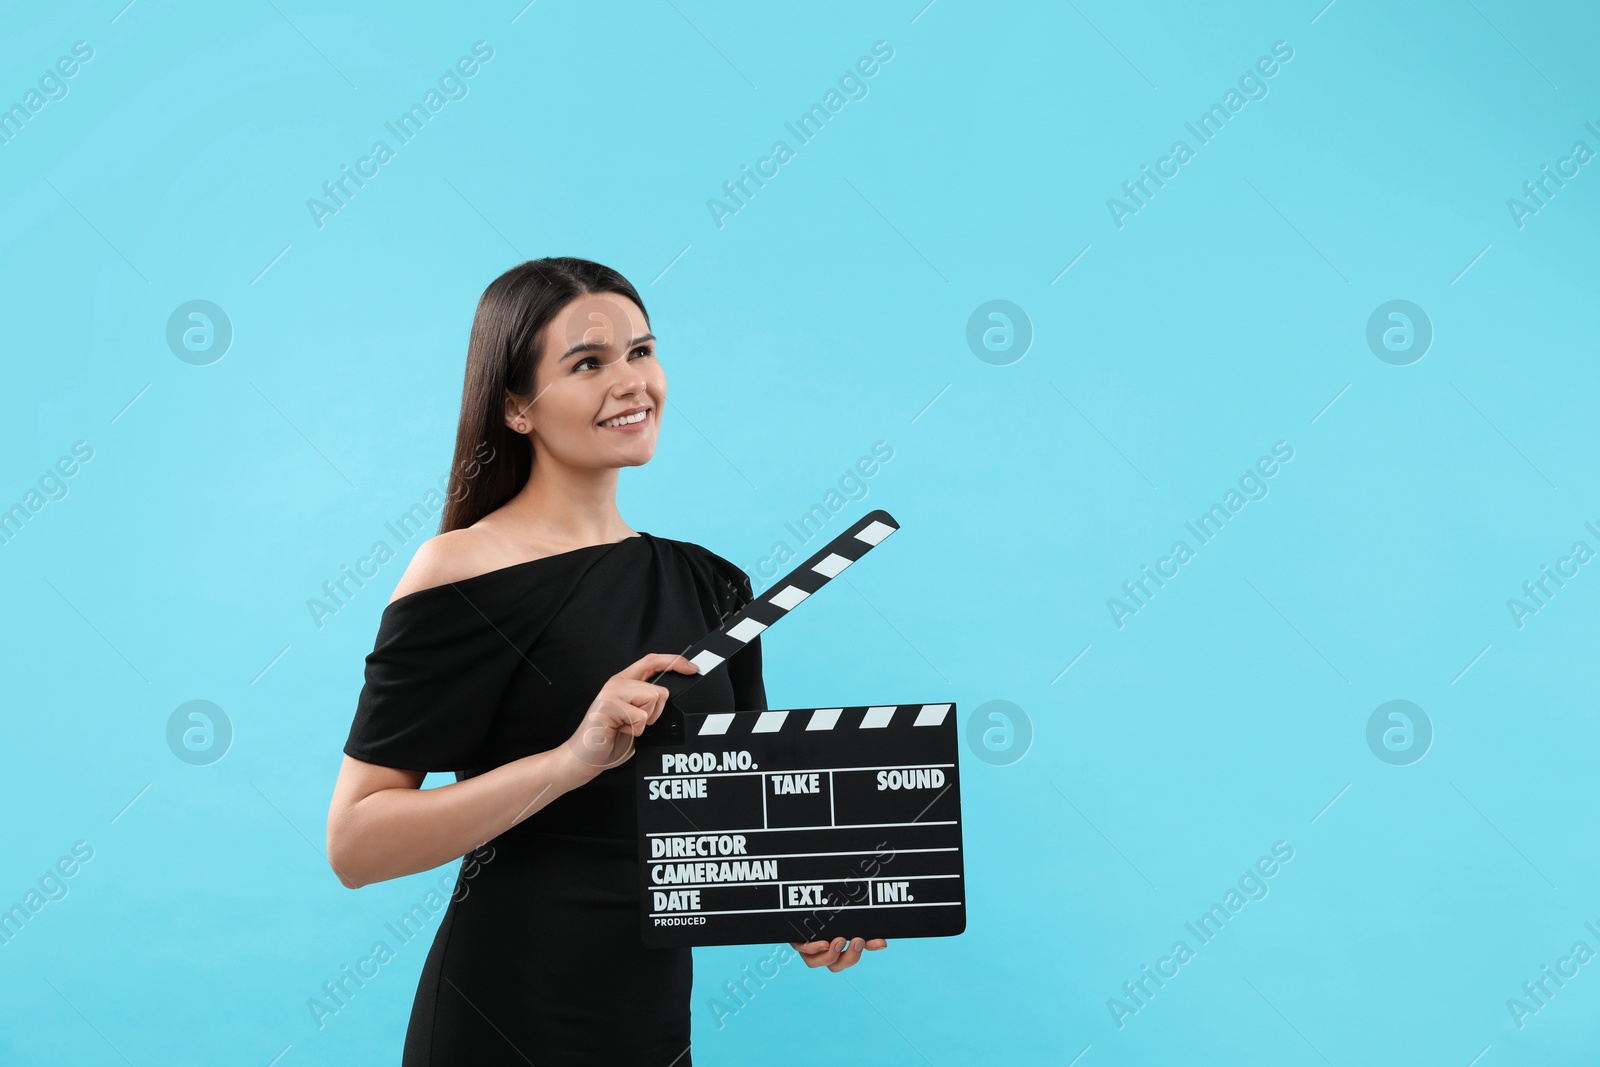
(800, 824)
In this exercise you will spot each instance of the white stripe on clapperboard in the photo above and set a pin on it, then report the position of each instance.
(831, 907)
(818, 770)
(798, 855)
(786, 598)
(771, 722)
(828, 826)
(788, 881)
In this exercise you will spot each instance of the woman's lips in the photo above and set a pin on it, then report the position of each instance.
(633, 427)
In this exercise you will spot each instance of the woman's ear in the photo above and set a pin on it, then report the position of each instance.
(516, 413)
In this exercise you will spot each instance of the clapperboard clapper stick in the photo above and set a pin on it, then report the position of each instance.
(803, 824)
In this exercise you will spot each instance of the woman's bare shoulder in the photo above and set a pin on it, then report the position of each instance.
(452, 556)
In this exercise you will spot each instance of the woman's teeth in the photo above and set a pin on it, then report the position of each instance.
(624, 420)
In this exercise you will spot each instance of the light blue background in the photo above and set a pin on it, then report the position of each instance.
(830, 313)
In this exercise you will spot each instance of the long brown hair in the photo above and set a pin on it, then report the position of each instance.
(492, 461)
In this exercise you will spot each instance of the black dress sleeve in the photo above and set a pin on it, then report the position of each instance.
(744, 668)
(433, 682)
(744, 671)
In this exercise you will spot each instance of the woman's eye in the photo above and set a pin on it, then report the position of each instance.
(591, 359)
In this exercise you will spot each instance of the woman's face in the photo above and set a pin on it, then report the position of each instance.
(597, 361)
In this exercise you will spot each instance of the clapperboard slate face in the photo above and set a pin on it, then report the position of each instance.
(800, 824)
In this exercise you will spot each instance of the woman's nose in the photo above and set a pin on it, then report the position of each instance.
(629, 376)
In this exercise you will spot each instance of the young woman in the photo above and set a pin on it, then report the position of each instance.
(516, 652)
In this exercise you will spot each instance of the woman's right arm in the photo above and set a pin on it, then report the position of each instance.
(382, 824)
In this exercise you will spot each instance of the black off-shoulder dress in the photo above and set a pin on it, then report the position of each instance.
(538, 957)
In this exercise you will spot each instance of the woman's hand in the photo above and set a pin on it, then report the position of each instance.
(837, 954)
(625, 705)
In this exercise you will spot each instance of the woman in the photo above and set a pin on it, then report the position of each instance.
(517, 651)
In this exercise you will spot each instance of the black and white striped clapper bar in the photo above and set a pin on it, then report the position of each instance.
(802, 824)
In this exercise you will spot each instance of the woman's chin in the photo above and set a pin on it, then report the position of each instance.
(637, 456)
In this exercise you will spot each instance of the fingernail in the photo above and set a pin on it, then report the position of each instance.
(856, 944)
(838, 946)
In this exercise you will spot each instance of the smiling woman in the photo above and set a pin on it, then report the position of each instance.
(592, 338)
(517, 652)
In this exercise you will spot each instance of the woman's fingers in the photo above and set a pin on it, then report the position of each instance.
(630, 705)
(817, 953)
(837, 954)
(660, 703)
(625, 705)
(650, 700)
(630, 685)
(620, 714)
(655, 663)
(849, 956)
